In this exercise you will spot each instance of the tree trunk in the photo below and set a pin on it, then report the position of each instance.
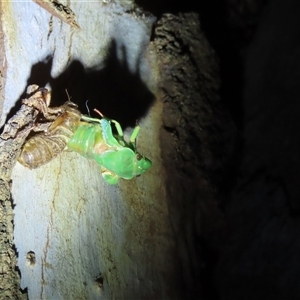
(77, 237)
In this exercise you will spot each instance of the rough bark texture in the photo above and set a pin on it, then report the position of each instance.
(11, 140)
(196, 142)
(9, 277)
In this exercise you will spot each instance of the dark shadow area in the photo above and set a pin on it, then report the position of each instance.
(260, 252)
(168, 6)
(117, 92)
(210, 255)
(114, 90)
(40, 75)
(226, 41)
(230, 26)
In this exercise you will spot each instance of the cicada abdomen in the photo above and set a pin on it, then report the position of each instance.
(40, 149)
(43, 147)
(88, 140)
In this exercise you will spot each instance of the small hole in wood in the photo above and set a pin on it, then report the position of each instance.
(99, 282)
(30, 257)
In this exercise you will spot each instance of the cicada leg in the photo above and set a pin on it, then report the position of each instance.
(89, 119)
(110, 177)
(134, 134)
(119, 128)
(105, 123)
(117, 124)
(39, 127)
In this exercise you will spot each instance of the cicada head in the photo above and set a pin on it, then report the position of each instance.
(141, 164)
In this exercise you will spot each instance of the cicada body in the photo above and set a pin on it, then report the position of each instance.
(122, 162)
(43, 147)
(117, 158)
(92, 138)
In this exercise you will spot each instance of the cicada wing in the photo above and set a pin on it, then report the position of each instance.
(123, 162)
(118, 161)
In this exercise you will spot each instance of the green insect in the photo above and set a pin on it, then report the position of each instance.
(118, 158)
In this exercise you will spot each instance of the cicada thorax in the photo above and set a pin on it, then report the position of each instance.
(43, 147)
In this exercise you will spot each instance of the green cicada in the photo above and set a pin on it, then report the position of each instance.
(118, 158)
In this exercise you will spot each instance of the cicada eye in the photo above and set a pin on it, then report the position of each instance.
(139, 156)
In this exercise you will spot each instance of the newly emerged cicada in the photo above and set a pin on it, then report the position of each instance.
(44, 146)
(92, 138)
(118, 158)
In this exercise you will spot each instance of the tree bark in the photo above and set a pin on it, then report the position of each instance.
(75, 236)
